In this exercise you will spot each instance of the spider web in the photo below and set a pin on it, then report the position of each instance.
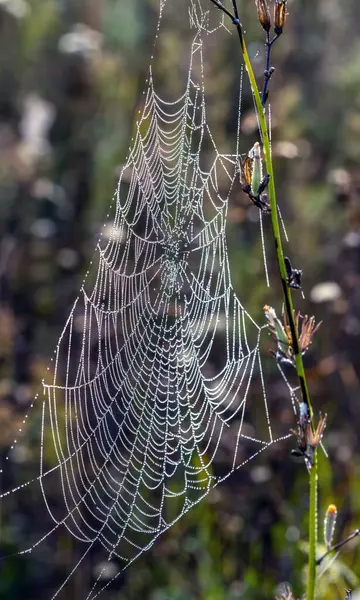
(135, 409)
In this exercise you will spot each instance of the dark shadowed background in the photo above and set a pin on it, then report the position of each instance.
(71, 78)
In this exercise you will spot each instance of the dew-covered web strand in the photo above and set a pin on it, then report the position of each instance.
(136, 404)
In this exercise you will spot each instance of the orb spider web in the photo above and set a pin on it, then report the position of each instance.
(136, 406)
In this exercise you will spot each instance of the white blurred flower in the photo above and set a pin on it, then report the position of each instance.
(81, 39)
(16, 8)
(327, 291)
(286, 149)
(37, 118)
(352, 239)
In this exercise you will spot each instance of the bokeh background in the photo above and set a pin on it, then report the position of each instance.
(71, 78)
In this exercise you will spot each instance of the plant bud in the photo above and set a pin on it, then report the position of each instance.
(279, 16)
(329, 525)
(257, 171)
(263, 14)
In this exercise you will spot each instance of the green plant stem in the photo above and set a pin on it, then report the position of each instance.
(313, 530)
(290, 315)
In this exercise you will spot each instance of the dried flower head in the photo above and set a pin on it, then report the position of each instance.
(281, 332)
(307, 332)
(252, 181)
(279, 16)
(263, 14)
(314, 439)
(278, 329)
(285, 594)
(245, 174)
(308, 441)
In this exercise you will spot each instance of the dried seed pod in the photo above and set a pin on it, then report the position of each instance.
(263, 14)
(252, 181)
(285, 592)
(329, 525)
(279, 16)
(246, 174)
(308, 440)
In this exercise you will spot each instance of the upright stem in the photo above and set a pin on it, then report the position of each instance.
(290, 314)
(313, 530)
(275, 226)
